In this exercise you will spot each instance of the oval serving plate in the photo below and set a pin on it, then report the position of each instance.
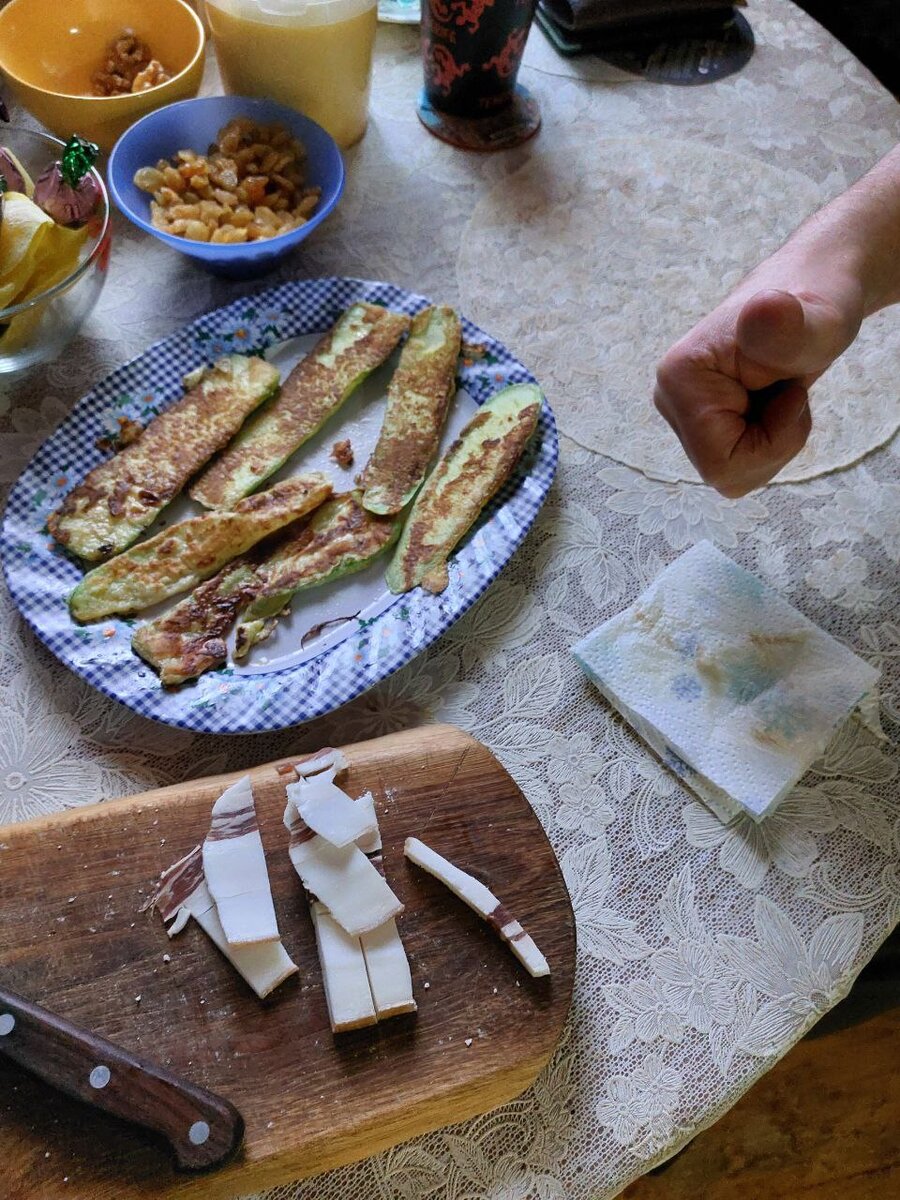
(340, 639)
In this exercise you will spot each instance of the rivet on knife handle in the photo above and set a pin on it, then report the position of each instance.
(203, 1129)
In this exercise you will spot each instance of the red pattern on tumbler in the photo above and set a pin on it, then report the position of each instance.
(468, 13)
(506, 63)
(443, 68)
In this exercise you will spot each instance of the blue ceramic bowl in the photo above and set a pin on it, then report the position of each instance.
(193, 124)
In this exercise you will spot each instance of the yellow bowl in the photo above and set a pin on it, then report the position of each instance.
(49, 51)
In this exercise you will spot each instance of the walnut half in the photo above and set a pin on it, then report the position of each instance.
(152, 76)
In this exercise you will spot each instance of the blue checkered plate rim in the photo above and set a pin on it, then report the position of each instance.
(40, 577)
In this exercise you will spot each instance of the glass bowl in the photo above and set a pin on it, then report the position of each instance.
(37, 330)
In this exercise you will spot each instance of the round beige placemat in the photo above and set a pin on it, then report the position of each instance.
(592, 258)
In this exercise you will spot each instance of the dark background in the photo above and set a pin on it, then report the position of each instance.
(870, 28)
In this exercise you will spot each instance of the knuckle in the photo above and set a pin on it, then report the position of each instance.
(732, 490)
(797, 440)
(661, 401)
(728, 480)
(668, 372)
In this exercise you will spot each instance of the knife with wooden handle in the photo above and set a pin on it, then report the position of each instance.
(203, 1129)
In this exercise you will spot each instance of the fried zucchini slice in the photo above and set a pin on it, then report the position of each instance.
(123, 496)
(469, 474)
(190, 638)
(342, 537)
(316, 388)
(418, 397)
(182, 556)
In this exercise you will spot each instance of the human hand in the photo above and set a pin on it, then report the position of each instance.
(735, 388)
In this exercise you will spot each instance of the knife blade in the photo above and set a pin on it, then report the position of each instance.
(203, 1130)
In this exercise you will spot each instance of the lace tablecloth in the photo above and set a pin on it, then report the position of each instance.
(705, 950)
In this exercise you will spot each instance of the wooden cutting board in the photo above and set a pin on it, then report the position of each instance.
(73, 939)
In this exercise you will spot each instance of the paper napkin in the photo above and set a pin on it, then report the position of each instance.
(730, 685)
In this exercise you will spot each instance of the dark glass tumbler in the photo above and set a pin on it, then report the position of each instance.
(472, 50)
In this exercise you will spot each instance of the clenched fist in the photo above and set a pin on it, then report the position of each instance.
(736, 388)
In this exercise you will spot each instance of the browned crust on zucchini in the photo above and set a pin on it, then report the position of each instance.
(144, 476)
(325, 545)
(418, 398)
(462, 483)
(312, 392)
(191, 638)
(179, 558)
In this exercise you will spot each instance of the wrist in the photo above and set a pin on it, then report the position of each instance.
(823, 263)
(837, 256)
(857, 237)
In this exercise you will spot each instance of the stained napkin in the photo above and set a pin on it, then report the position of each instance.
(730, 685)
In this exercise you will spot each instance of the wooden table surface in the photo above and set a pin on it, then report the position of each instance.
(822, 1125)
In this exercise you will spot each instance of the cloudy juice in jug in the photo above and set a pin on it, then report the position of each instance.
(314, 55)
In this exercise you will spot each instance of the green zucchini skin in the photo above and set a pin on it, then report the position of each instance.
(190, 638)
(418, 398)
(179, 558)
(321, 382)
(464, 480)
(339, 539)
(123, 496)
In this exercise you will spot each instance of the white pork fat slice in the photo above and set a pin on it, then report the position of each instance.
(347, 991)
(264, 965)
(182, 894)
(329, 811)
(480, 898)
(388, 968)
(389, 975)
(325, 760)
(234, 863)
(370, 843)
(341, 877)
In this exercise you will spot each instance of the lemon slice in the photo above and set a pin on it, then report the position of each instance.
(36, 254)
(56, 257)
(22, 230)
